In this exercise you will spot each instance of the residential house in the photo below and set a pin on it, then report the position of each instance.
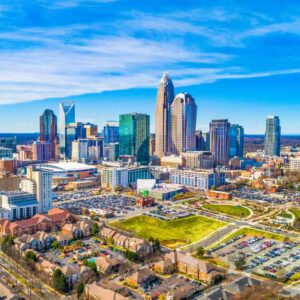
(141, 278)
(107, 265)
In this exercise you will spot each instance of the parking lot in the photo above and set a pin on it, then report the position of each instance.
(267, 257)
(257, 196)
(106, 205)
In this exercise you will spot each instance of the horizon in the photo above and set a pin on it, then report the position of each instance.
(232, 60)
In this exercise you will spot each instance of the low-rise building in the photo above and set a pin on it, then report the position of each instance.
(198, 179)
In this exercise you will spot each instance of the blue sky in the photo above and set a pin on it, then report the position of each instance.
(239, 59)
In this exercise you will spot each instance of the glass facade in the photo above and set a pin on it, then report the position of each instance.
(111, 132)
(236, 141)
(66, 116)
(135, 136)
(272, 136)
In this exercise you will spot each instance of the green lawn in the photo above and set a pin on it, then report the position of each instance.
(252, 232)
(174, 233)
(236, 211)
(285, 214)
(295, 212)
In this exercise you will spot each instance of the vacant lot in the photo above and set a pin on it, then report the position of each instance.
(236, 211)
(173, 233)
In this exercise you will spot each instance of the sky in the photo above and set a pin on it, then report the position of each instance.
(239, 59)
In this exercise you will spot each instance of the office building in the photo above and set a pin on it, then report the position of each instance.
(39, 183)
(8, 142)
(272, 136)
(48, 130)
(111, 132)
(113, 151)
(183, 120)
(206, 139)
(165, 96)
(198, 179)
(294, 163)
(66, 116)
(198, 160)
(6, 153)
(91, 130)
(134, 136)
(18, 205)
(42, 151)
(111, 177)
(236, 147)
(152, 144)
(73, 131)
(87, 150)
(219, 141)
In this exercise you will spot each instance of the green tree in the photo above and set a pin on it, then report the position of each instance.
(119, 188)
(240, 261)
(80, 289)
(200, 252)
(63, 284)
(55, 245)
(157, 244)
(30, 256)
(95, 229)
(213, 188)
(55, 278)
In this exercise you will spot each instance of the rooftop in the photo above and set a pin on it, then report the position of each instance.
(65, 166)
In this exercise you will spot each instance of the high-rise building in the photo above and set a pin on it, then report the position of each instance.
(91, 130)
(39, 183)
(111, 132)
(73, 131)
(66, 116)
(206, 138)
(48, 130)
(113, 152)
(8, 142)
(134, 136)
(87, 150)
(199, 141)
(236, 147)
(165, 96)
(184, 118)
(42, 151)
(219, 141)
(272, 136)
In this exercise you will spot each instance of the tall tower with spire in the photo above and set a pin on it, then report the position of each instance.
(165, 96)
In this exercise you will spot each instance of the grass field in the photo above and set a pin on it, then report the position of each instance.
(174, 233)
(252, 232)
(285, 214)
(295, 212)
(236, 211)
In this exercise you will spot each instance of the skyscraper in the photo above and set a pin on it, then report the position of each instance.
(111, 132)
(48, 130)
(219, 141)
(73, 131)
(236, 147)
(66, 116)
(134, 136)
(165, 96)
(272, 136)
(184, 118)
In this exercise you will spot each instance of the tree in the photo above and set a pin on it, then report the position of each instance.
(157, 244)
(95, 229)
(132, 256)
(213, 188)
(55, 245)
(55, 278)
(240, 261)
(80, 289)
(62, 284)
(200, 252)
(119, 188)
(30, 256)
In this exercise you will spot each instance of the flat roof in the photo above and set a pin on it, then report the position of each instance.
(65, 166)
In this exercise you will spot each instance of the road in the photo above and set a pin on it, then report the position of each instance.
(33, 286)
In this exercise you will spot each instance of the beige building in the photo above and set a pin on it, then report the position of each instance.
(198, 159)
(165, 96)
(184, 118)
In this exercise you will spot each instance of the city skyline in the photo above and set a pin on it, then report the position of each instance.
(232, 60)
